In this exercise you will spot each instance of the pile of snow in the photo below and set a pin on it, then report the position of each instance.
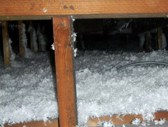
(28, 89)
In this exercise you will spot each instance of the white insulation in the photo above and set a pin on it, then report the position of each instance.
(27, 89)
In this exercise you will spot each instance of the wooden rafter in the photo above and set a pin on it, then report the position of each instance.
(6, 49)
(21, 47)
(13, 9)
(159, 32)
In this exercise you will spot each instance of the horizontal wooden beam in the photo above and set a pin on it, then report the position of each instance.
(85, 16)
(126, 119)
(16, 9)
(52, 123)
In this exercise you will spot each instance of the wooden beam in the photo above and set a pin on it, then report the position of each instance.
(86, 16)
(159, 32)
(6, 51)
(51, 123)
(80, 7)
(125, 119)
(92, 122)
(21, 47)
(64, 72)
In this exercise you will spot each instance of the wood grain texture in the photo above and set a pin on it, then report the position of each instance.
(52, 123)
(80, 7)
(125, 119)
(6, 51)
(21, 47)
(64, 72)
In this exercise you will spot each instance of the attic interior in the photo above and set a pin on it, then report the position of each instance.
(114, 41)
(98, 34)
(118, 34)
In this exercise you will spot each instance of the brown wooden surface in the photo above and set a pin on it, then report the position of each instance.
(159, 32)
(86, 16)
(127, 119)
(80, 7)
(64, 72)
(52, 123)
(6, 51)
(21, 47)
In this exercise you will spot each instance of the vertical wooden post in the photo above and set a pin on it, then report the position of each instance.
(6, 51)
(66, 91)
(159, 31)
(31, 37)
(148, 42)
(21, 47)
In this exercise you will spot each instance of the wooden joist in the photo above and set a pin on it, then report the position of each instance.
(14, 9)
(159, 34)
(125, 119)
(92, 122)
(64, 72)
(21, 47)
(6, 50)
(52, 123)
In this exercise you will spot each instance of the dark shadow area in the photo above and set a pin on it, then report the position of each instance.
(118, 34)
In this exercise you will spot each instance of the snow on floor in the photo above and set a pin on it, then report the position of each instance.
(27, 89)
